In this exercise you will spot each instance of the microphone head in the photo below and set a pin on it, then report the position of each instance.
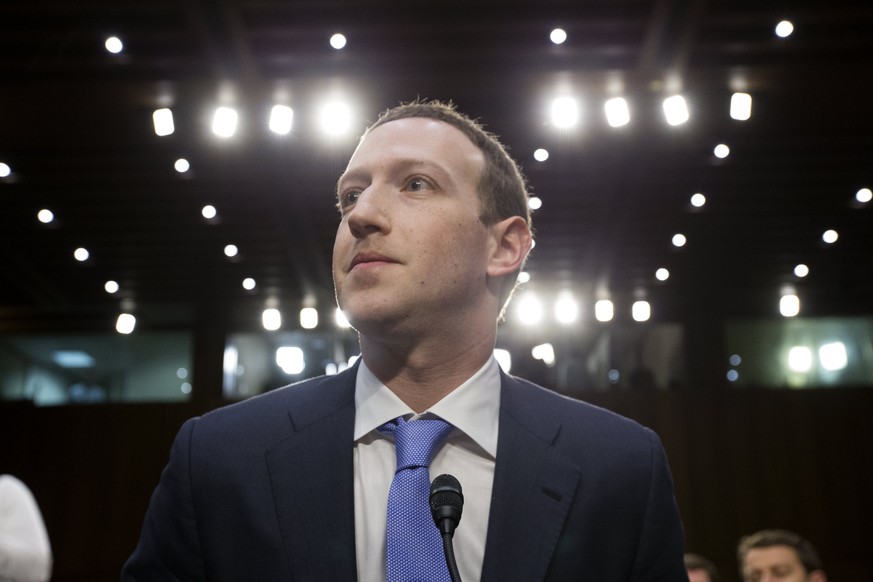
(446, 502)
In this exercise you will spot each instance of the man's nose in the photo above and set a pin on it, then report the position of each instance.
(369, 213)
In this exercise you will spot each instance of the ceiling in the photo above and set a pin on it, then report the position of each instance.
(76, 130)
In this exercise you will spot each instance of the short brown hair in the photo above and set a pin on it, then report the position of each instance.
(502, 189)
(780, 537)
(698, 562)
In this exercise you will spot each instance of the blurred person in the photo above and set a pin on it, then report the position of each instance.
(25, 552)
(778, 554)
(311, 482)
(700, 569)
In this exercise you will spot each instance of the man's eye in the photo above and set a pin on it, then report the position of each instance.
(349, 198)
(417, 184)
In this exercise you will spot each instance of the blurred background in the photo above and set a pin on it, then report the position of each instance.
(700, 176)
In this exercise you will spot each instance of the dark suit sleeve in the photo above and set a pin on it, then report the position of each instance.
(661, 545)
(169, 547)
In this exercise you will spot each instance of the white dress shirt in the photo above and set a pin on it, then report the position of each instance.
(469, 454)
(25, 552)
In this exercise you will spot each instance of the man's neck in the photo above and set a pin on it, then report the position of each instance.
(422, 373)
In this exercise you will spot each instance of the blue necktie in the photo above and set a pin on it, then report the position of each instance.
(414, 550)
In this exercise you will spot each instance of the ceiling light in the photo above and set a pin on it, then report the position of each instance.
(290, 359)
(338, 41)
(336, 118)
(5, 170)
(830, 236)
(271, 319)
(231, 251)
(541, 155)
(45, 216)
(864, 195)
(209, 212)
(698, 200)
(248, 283)
(617, 112)
(81, 254)
(784, 29)
(544, 353)
(565, 112)
(741, 106)
(182, 165)
(163, 121)
(558, 36)
(721, 151)
(113, 44)
(281, 119)
(679, 240)
(125, 323)
(224, 121)
(73, 359)
(566, 308)
(800, 359)
(523, 277)
(789, 305)
(308, 318)
(676, 110)
(662, 274)
(833, 356)
(604, 310)
(641, 310)
(111, 287)
(535, 202)
(529, 310)
(801, 270)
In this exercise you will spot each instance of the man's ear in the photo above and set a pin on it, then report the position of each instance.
(512, 238)
(817, 576)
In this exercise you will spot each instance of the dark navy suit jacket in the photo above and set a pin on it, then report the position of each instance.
(263, 490)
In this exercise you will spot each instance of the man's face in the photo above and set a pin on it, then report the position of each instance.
(410, 249)
(698, 575)
(774, 563)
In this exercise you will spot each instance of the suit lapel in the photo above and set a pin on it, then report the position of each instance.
(534, 486)
(311, 473)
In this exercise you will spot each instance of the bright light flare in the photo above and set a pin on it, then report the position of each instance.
(290, 359)
(676, 110)
(741, 106)
(541, 155)
(529, 310)
(564, 112)
(309, 318)
(125, 323)
(833, 356)
(163, 121)
(248, 284)
(336, 118)
(721, 151)
(558, 36)
(544, 353)
(5, 170)
(81, 254)
(182, 165)
(504, 359)
(662, 274)
(801, 270)
(111, 287)
(604, 310)
(784, 29)
(617, 112)
(830, 236)
(271, 319)
(341, 320)
(641, 311)
(338, 41)
(864, 195)
(281, 119)
(209, 212)
(789, 305)
(224, 122)
(114, 45)
(679, 240)
(800, 359)
(698, 200)
(566, 309)
(45, 216)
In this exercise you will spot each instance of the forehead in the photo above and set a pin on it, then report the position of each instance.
(422, 140)
(772, 556)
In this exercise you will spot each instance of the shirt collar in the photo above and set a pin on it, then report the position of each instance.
(473, 407)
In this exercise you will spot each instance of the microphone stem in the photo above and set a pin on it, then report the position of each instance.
(449, 550)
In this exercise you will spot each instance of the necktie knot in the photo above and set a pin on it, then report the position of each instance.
(416, 441)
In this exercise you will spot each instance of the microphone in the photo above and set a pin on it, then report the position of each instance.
(446, 504)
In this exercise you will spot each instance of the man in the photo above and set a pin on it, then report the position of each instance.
(776, 554)
(700, 569)
(294, 484)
